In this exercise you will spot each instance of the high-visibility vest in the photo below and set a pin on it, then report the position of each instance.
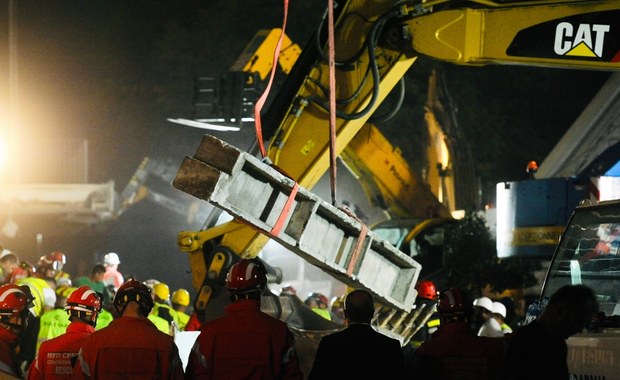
(36, 286)
(183, 319)
(161, 324)
(322, 312)
(53, 323)
(103, 319)
(166, 312)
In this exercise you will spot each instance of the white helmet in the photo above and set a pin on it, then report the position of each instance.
(111, 259)
(484, 302)
(499, 308)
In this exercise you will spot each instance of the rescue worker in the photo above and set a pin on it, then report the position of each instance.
(245, 343)
(499, 313)
(427, 320)
(427, 299)
(44, 300)
(15, 302)
(54, 323)
(11, 268)
(318, 303)
(162, 324)
(483, 310)
(54, 359)
(106, 352)
(454, 350)
(28, 269)
(194, 323)
(51, 266)
(337, 310)
(180, 303)
(95, 281)
(162, 307)
(112, 276)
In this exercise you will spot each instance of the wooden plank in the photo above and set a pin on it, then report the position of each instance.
(217, 153)
(196, 178)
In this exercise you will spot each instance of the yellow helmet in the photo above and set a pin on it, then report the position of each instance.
(161, 290)
(65, 291)
(338, 302)
(181, 297)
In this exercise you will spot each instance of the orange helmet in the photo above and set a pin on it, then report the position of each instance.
(15, 300)
(247, 275)
(84, 303)
(426, 289)
(133, 290)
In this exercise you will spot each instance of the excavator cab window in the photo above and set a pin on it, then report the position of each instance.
(425, 245)
(396, 232)
(589, 254)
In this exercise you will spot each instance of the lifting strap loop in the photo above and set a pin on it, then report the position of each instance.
(261, 101)
(277, 227)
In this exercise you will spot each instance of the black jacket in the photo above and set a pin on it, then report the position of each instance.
(358, 352)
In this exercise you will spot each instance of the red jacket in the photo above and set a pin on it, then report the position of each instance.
(193, 324)
(129, 347)
(455, 352)
(244, 344)
(8, 364)
(56, 356)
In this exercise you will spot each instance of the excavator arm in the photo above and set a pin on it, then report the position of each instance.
(377, 42)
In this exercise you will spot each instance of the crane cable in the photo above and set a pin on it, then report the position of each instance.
(332, 100)
(362, 238)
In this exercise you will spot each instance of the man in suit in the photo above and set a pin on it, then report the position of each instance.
(358, 351)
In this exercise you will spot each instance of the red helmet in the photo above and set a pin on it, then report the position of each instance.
(15, 300)
(319, 298)
(453, 302)
(426, 289)
(29, 269)
(51, 262)
(85, 303)
(58, 257)
(133, 290)
(245, 276)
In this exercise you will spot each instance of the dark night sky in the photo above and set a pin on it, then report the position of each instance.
(112, 72)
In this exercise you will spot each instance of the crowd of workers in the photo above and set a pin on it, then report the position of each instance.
(44, 309)
(102, 325)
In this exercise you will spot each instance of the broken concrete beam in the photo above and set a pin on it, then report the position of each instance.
(315, 230)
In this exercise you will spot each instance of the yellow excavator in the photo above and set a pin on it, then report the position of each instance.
(376, 42)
